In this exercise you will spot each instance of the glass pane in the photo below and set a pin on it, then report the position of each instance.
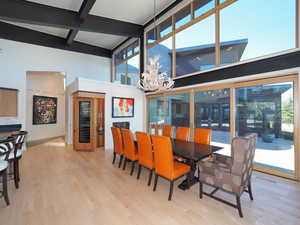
(203, 6)
(222, 1)
(136, 47)
(133, 70)
(255, 28)
(151, 36)
(84, 121)
(196, 52)
(165, 27)
(164, 50)
(178, 110)
(212, 111)
(268, 110)
(121, 73)
(156, 113)
(183, 17)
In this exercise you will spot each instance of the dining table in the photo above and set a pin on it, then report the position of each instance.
(191, 153)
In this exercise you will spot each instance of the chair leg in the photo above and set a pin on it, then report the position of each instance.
(4, 183)
(125, 162)
(121, 160)
(114, 159)
(18, 170)
(250, 191)
(171, 190)
(238, 203)
(16, 167)
(150, 177)
(200, 189)
(139, 172)
(155, 182)
(132, 167)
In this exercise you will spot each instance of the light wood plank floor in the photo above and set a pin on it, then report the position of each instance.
(63, 187)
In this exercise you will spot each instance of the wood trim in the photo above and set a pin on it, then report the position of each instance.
(296, 127)
(192, 114)
(83, 94)
(217, 37)
(274, 172)
(232, 113)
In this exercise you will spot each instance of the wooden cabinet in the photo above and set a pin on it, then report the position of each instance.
(88, 123)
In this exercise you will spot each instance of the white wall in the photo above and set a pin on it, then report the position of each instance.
(17, 58)
(49, 84)
(137, 123)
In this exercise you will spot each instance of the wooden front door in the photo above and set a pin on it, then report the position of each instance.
(84, 130)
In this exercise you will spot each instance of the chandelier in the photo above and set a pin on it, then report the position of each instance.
(152, 79)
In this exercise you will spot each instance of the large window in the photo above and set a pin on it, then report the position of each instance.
(212, 33)
(127, 65)
(268, 110)
(164, 51)
(265, 107)
(196, 52)
(254, 28)
(178, 110)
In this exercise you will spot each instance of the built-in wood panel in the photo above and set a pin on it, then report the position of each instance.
(8, 102)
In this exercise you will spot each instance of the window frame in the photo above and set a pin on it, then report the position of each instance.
(216, 11)
(129, 47)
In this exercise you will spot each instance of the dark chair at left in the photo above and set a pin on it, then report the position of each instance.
(6, 147)
(16, 155)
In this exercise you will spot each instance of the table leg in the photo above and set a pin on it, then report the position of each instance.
(191, 179)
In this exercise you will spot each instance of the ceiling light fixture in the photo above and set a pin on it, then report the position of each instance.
(152, 79)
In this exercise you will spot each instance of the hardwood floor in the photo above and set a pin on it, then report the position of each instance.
(60, 186)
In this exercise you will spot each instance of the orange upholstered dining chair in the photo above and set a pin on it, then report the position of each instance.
(167, 131)
(118, 144)
(165, 166)
(202, 136)
(130, 152)
(145, 154)
(182, 133)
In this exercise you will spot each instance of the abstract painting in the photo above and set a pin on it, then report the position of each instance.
(44, 110)
(122, 107)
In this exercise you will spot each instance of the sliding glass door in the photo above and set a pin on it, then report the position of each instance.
(266, 107)
(268, 110)
(212, 111)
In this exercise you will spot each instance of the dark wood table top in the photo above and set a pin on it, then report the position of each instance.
(193, 151)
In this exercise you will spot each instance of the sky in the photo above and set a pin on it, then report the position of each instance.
(269, 26)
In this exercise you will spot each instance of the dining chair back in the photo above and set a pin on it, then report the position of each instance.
(202, 136)
(130, 151)
(117, 139)
(6, 148)
(118, 144)
(182, 133)
(167, 131)
(145, 151)
(165, 166)
(231, 174)
(145, 154)
(163, 156)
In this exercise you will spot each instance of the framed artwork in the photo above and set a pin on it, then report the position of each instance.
(44, 110)
(122, 107)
